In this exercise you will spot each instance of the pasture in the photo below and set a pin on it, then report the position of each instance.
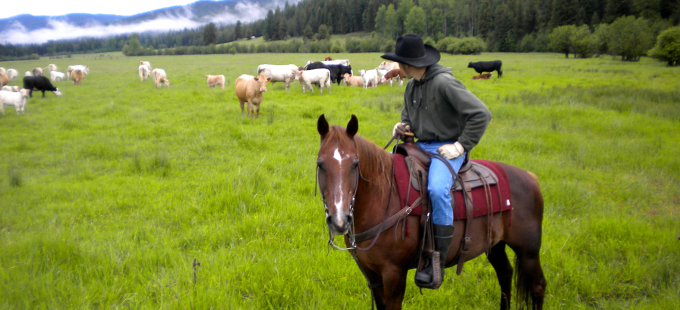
(111, 195)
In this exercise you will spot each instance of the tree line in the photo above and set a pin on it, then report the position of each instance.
(503, 25)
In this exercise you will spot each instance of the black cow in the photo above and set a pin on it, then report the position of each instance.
(39, 83)
(337, 71)
(487, 66)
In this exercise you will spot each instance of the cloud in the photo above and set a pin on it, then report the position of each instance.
(62, 30)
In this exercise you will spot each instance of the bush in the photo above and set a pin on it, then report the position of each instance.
(469, 46)
(337, 49)
(352, 45)
(629, 37)
(560, 39)
(667, 46)
(526, 45)
(35, 57)
(444, 43)
(599, 39)
(581, 42)
(429, 41)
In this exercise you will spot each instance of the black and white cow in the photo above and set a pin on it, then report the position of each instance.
(487, 66)
(40, 83)
(337, 71)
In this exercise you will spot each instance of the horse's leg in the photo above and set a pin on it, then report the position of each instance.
(499, 260)
(394, 286)
(530, 279)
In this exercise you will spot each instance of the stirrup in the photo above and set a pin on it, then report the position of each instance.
(437, 273)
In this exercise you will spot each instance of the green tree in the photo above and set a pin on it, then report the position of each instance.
(322, 33)
(404, 9)
(380, 25)
(238, 32)
(600, 38)
(391, 21)
(415, 21)
(630, 38)
(210, 34)
(667, 46)
(581, 42)
(308, 32)
(560, 39)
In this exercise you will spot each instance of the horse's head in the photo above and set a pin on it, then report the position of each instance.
(338, 173)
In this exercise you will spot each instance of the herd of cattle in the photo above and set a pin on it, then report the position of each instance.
(249, 89)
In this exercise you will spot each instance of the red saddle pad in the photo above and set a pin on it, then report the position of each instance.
(500, 193)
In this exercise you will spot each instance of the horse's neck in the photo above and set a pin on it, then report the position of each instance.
(373, 197)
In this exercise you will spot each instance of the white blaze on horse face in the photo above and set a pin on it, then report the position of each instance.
(340, 213)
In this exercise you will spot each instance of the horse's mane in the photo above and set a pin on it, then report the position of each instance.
(375, 164)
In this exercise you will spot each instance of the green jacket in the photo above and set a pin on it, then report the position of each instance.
(440, 108)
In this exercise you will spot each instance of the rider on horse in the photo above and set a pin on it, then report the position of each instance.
(446, 119)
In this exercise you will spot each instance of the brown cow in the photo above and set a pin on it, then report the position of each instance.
(3, 79)
(328, 58)
(484, 76)
(353, 80)
(214, 80)
(395, 74)
(249, 89)
(77, 76)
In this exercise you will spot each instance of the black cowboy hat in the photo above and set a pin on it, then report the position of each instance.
(410, 50)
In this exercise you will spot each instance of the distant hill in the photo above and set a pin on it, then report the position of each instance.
(16, 29)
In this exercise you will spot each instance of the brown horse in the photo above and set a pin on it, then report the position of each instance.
(355, 180)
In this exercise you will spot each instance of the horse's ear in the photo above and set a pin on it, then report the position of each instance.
(322, 126)
(352, 126)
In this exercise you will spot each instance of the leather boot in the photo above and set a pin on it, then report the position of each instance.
(442, 242)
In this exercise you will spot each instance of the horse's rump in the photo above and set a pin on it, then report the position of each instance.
(498, 194)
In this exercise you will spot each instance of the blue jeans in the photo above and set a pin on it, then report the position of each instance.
(439, 182)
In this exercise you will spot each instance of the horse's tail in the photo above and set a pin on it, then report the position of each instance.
(522, 297)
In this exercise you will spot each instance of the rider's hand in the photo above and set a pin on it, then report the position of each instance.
(399, 129)
(451, 151)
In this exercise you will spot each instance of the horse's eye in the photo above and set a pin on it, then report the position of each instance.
(355, 164)
(320, 165)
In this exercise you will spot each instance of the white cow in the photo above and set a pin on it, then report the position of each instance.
(10, 88)
(2, 70)
(388, 66)
(146, 63)
(28, 73)
(159, 77)
(57, 76)
(370, 76)
(321, 77)
(51, 67)
(12, 74)
(16, 99)
(144, 72)
(283, 73)
(85, 69)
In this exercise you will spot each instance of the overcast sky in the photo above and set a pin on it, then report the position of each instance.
(58, 8)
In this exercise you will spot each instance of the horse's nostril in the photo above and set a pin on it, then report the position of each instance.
(350, 219)
(328, 220)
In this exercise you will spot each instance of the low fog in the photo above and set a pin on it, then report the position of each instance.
(60, 30)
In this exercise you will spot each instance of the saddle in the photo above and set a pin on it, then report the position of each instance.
(471, 175)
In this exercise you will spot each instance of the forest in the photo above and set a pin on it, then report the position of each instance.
(503, 25)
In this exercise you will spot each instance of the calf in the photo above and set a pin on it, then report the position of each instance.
(250, 89)
(12, 74)
(487, 66)
(40, 83)
(214, 80)
(16, 99)
(321, 77)
(370, 76)
(159, 77)
(353, 80)
(56, 76)
(146, 63)
(144, 72)
(395, 74)
(484, 76)
(77, 76)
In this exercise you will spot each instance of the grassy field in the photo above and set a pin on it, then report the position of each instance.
(109, 194)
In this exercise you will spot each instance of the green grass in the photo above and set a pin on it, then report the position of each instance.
(109, 193)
